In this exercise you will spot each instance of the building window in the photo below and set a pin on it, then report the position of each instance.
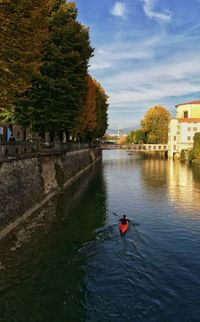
(195, 129)
(189, 129)
(174, 138)
(185, 114)
(189, 138)
(174, 147)
(178, 132)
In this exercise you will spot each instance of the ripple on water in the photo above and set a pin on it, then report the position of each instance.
(115, 277)
(149, 274)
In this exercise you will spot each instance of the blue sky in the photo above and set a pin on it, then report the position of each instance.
(147, 52)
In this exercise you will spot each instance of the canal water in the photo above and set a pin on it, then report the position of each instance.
(71, 264)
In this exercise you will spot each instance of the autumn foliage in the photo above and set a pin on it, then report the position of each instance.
(121, 140)
(93, 117)
(44, 79)
(23, 30)
(88, 116)
(155, 124)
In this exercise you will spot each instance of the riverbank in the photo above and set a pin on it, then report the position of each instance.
(28, 184)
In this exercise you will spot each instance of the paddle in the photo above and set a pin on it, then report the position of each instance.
(114, 213)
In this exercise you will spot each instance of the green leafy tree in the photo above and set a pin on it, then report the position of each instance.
(130, 137)
(196, 146)
(57, 94)
(155, 124)
(23, 28)
(182, 155)
(137, 136)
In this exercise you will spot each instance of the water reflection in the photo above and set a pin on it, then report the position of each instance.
(183, 192)
(140, 275)
(196, 173)
(44, 279)
(78, 267)
(116, 159)
(154, 172)
(179, 181)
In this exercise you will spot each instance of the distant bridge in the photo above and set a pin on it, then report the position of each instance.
(136, 147)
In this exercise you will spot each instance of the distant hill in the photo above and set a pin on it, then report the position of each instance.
(122, 131)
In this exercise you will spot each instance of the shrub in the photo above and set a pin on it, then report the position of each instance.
(191, 156)
(196, 146)
(182, 155)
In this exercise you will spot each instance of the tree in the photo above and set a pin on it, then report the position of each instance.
(23, 28)
(121, 140)
(57, 94)
(137, 136)
(88, 115)
(140, 136)
(93, 117)
(130, 137)
(102, 108)
(196, 146)
(155, 124)
(108, 137)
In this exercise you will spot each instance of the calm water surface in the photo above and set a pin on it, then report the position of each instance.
(73, 265)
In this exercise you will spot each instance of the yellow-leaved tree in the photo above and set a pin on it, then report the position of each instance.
(155, 124)
(88, 116)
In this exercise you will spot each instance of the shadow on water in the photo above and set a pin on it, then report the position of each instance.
(196, 172)
(42, 280)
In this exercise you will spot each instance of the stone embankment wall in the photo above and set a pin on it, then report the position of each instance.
(26, 184)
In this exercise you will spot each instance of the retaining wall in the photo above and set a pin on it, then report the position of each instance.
(26, 184)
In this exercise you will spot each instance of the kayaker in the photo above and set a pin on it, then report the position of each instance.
(124, 220)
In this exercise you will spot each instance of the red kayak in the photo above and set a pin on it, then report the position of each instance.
(123, 228)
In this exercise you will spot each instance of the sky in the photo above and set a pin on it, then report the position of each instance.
(147, 52)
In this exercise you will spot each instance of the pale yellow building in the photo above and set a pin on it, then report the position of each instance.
(183, 127)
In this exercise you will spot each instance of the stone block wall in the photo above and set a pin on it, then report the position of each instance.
(20, 187)
(25, 183)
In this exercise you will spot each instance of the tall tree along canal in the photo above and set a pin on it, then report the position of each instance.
(71, 264)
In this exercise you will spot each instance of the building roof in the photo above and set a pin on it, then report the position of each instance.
(189, 103)
(189, 120)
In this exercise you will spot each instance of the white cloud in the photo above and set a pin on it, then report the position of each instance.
(150, 67)
(175, 78)
(98, 63)
(148, 8)
(148, 79)
(110, 55)
(119, 9)
(108, 58)
(142, 86)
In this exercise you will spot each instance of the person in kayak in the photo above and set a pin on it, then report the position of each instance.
(124, 220)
